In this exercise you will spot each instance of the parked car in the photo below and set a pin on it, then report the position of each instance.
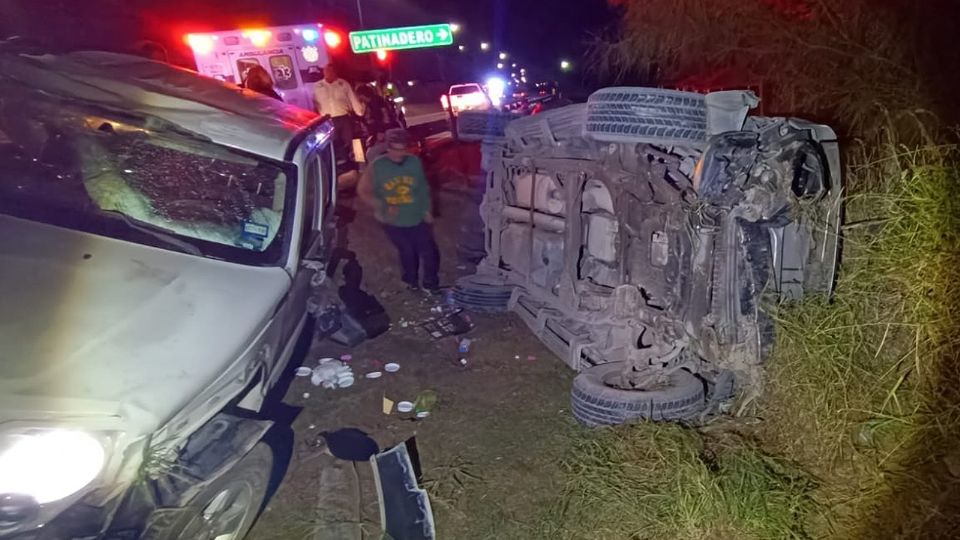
(644, 234)
(161, 235)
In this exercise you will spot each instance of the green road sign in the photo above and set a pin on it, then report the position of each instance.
(393, 39)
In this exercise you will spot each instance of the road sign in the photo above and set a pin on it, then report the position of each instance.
(394, 39)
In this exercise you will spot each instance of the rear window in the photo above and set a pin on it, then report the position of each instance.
(244, 65)
(281, 67)
(464, 89)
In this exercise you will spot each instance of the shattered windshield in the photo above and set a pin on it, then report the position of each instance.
(140, 181)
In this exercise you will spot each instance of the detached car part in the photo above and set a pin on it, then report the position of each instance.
(643, 232)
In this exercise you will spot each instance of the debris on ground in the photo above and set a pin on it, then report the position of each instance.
(331, 374)
(404, 506)
(425, 402)
(451, 324)
(304, 371)
(387, 405)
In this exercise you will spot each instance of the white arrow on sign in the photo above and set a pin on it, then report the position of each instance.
(442, 33)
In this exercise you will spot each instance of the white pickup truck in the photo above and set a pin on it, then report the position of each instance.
(160, 236)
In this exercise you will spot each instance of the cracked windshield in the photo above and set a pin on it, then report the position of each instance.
(170, 191)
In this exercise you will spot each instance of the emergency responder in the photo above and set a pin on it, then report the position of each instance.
(336, 98)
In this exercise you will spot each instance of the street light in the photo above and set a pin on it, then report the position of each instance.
(454, 27)
(462, 48)
(503, 56)
(513, 65)
(565, 65)
(499, 66)
(484, 46)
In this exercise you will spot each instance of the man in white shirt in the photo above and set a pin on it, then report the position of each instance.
(335, 97)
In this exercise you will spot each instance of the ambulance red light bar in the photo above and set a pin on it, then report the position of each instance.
(332, 38)
(201, 44)
(259, 38)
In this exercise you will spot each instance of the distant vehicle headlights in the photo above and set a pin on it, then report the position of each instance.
(49, 464)
(496, 87)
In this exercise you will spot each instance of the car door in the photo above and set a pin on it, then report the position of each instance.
(315, 238)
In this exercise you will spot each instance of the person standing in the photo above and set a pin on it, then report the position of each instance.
(376, 115)
(257, 79)
(336, 98)
(396, 186)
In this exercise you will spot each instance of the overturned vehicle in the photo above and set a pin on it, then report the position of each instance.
(644, 234)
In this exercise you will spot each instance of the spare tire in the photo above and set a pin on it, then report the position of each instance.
(647, 115)
(595, 403)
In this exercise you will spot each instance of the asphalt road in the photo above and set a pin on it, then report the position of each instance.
(424, 113)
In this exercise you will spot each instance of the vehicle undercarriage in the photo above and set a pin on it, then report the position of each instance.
(654, 229)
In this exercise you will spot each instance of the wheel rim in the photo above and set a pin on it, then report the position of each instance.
(223, 518)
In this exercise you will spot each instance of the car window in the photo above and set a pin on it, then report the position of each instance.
(281, 66)
(464, 89)
(130, 179)
(328, 180)
(312, 187)
(244, 65)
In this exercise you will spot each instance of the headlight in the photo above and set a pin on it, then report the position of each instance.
(49, 464)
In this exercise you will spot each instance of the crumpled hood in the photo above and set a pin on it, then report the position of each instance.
(88, 319)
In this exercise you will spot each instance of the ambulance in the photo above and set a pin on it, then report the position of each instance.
(294, 56)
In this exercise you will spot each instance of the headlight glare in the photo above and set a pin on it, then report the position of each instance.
(49, 464)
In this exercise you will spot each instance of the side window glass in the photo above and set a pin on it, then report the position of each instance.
(244, 65)
(311, 194)
(328, 179)
(281, 66)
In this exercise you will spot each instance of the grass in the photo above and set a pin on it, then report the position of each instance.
(665, 481)
(863, 390)
(859, 431)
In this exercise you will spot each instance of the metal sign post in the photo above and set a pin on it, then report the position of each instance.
(395, 39)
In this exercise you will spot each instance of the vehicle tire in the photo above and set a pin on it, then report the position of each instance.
(595, 403)
(482, 294)
(226, 508)
(632, 115)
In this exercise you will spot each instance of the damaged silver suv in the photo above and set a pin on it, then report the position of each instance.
(643, 234)
(160, 238)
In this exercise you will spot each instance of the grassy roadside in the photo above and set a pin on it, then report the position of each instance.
(857, 436)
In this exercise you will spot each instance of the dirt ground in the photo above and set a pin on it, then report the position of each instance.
(489, 448)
